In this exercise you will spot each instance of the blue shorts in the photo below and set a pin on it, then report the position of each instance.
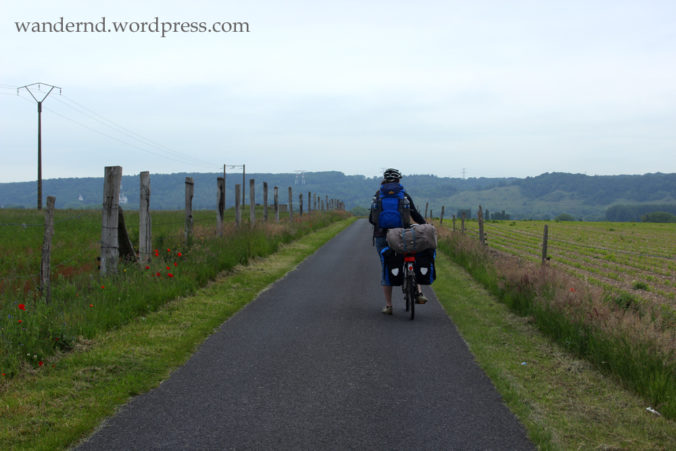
(381, 243)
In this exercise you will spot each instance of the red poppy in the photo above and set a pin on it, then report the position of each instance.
(20, 321)
(22, 307)
(40, 363)
(572, 290)
(102, 287)
(168, 268)
(175, 264)
(168, 250)
(180, 255)
(158, 274)
(91, 305)
(147, 267)
(170, 275)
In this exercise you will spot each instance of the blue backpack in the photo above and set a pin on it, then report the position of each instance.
(391, 208)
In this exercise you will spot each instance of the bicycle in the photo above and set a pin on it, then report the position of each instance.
(409, 286)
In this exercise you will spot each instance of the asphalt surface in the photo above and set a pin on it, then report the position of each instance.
(313, 364)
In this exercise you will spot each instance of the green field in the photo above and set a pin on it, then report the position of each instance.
(85, 303)
(635, 258)
(607, 291)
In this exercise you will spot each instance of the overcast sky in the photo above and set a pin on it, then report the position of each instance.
(502, 88)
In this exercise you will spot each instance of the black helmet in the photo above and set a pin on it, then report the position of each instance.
(392, 175)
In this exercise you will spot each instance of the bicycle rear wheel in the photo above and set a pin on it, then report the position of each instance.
(404, 290)
(411, 289)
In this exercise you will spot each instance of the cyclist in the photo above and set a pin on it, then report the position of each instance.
(390, 187)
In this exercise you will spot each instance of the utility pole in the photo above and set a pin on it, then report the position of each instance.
(237, 166)
(28, 88)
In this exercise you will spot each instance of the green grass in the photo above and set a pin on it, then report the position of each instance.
(85, 304)
(564, 401)
(54, 406)
(611, 334)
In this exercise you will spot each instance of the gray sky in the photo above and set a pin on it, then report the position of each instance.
(500, 88)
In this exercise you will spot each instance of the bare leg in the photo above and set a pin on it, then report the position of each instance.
(388, 295)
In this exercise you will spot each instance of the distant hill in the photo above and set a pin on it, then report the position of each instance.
(619, 197)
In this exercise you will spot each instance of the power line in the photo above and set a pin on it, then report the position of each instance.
(126, 136)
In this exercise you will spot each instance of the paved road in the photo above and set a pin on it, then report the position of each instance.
(313, 364)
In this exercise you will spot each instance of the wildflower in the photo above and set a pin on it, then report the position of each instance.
(180, 255)
(170, 275)
(102, 287)
(572, 289)
(147, 267)
(158, 274)
(91, 305)
(22, 307)
(168, 268)
(40, 363)
(20, 321)
(175, 264)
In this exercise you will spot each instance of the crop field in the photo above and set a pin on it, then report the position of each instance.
(607, 292)
(634, 258)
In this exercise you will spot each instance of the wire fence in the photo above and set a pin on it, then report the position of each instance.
(78, 238)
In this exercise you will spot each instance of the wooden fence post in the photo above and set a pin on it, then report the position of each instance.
(265, 201)
(454, 223)
(276, 200)
(441, 219)
(252, 203)
(238, 209)
(309, 202)
(110, 252)
(427, 204)
(326, 205)
(544, 244)
(480, 218)
(145, 243)
(462, 223)
(45, 267)
(189, 192)
(290, 204)
(221, 204)
(300, 202)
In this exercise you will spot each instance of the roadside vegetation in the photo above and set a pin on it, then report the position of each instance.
(564, 401)
(625, 334)
(58, 404)
(84, 304)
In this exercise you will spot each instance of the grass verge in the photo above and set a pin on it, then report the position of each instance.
(63, 402)
(637, 349)
(564, 402)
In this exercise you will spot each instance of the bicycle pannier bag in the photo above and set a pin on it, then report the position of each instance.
(415, 239)
(425, 271)
(393, 267)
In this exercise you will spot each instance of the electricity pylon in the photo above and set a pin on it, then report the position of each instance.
(28, 88)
